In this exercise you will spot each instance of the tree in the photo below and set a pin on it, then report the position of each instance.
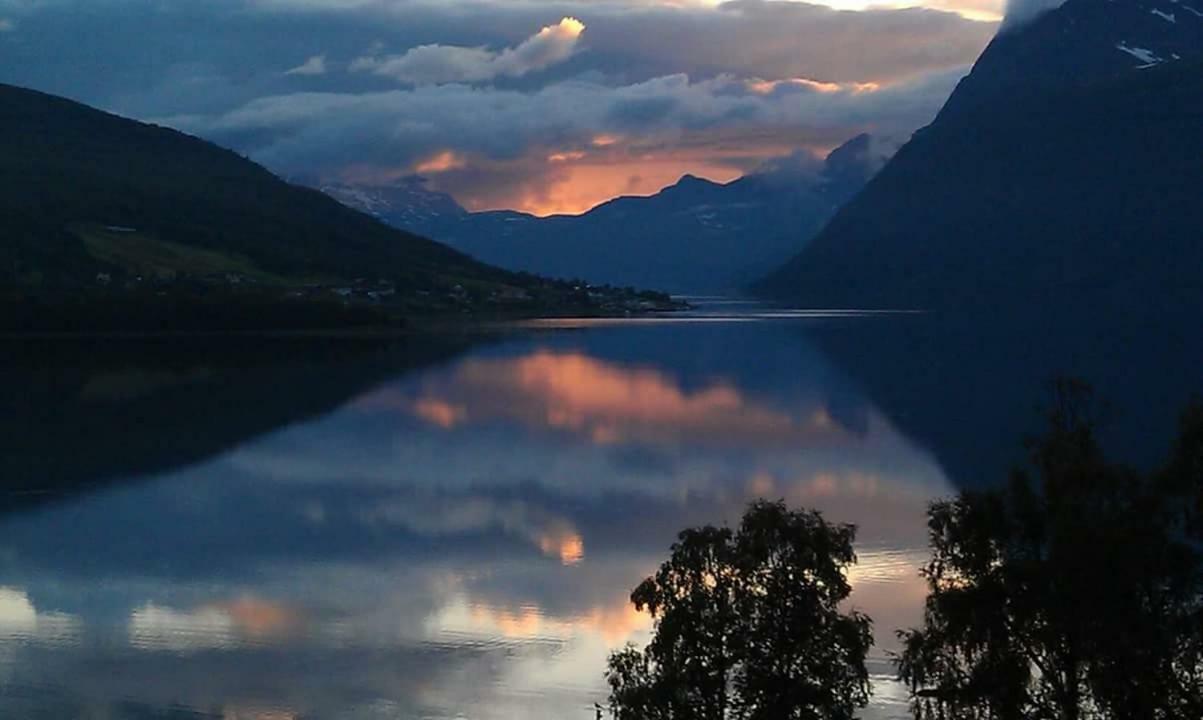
(1074, 593)
(748, 626)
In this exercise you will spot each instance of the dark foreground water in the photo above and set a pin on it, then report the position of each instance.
(450, 528)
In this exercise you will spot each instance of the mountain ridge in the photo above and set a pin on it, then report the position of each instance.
(694, 235)
(1071, 192)
(109, 224)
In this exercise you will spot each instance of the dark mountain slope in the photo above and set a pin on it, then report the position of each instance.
(76, 416)
(970, 389)
(1083, 42)
(1056, 174)
(64, 166)
(696, 235)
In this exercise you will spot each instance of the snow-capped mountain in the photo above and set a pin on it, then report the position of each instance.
(1081, 43)
(405, 203)
(1064, 170)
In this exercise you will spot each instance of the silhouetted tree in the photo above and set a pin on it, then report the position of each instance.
(1075, 593)
(748, 625)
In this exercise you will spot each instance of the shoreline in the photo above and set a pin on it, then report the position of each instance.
(408, 327)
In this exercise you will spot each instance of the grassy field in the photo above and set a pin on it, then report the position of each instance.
(149, 256)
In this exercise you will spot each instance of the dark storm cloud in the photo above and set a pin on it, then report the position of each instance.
(127, 54)
(400, 127)
(317, 86)
(640, 112)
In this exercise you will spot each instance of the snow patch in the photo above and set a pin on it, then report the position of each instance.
(1148, 57)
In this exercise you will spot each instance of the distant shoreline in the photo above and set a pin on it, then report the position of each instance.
(411, 326)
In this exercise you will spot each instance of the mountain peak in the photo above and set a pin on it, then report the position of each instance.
(691, 180)
(1061, 174)
(1081, 43)
(405, 202)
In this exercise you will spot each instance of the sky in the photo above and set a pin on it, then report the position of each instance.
(543, 106)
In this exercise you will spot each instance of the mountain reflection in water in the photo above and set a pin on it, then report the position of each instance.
(421, 534)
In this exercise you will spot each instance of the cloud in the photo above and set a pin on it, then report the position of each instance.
(440, 163)
(777, 40)
(315, 65)
(6, 25)
(216, 626)
(439, 64)
(609, 404)
(441, 516)
(761, 79)
(1019, 12)
(21, 621)
(716, 124)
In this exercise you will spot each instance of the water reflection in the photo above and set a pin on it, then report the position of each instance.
(78, 414)
(970, 390)
(459, 541)
(607, 403)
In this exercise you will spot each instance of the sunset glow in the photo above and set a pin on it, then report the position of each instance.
(614, 625)
(764, 87)
(442, 162)
(606, 404)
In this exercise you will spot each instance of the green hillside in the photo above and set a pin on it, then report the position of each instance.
(63, 164)
(97, 209)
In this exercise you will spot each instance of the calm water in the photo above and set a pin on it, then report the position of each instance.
(446, 529)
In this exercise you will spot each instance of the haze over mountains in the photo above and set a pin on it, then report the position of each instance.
(1064, 169)
(694, 236)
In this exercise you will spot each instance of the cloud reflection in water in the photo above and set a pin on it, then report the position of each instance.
(459, 541)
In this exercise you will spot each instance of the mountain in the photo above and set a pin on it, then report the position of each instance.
(67, 166)
(107, 223)
(1064, 170)
(968, 388)
(694, 236)
(406, 203)
(78, 416)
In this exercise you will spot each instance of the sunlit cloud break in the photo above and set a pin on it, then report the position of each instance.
(441, 162)
(768, 87)
(443, 64)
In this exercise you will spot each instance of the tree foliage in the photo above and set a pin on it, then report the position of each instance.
(1075, 592)
(748, 625)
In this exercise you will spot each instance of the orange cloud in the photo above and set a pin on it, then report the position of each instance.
(572, 180)
(587, 183)
(565, 156)
(564, 543)
(442, 162)
(610, 404)
(439, 413)
(615, 624)
(767, 87)
(525, 623)
(256, 618)
(569, 27)
(819, 486)
(215, 625)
